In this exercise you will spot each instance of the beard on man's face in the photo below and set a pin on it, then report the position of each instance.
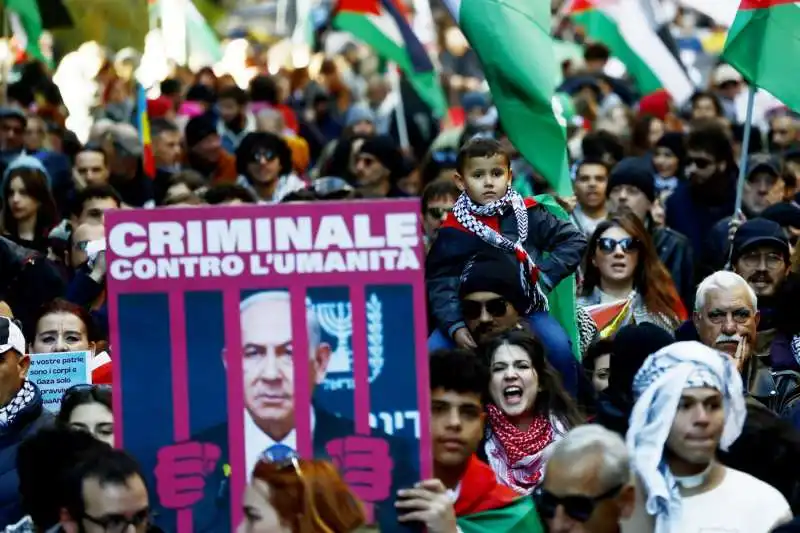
(760, 280)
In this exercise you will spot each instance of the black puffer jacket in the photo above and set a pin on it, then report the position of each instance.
(556, 246)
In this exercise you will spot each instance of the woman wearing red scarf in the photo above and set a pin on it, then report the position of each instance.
(528, 410)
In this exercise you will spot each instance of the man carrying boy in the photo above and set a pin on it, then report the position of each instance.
(490, 214)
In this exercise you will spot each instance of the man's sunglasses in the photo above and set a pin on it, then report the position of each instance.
(608, 245)
(472, 310)
(701, 163)
(579, 508)
(119, 523)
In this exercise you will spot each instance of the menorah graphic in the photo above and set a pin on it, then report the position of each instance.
(337, 319)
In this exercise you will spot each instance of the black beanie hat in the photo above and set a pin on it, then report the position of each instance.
(631, 346)
(496, 271)
(675, 143)
(634, 171)
(385, 150)
(198, 129)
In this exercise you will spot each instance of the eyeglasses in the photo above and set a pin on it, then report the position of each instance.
(438, 212)
(772, 261)
(472, 310)
(116, 523)
(740, 316)
(701, 163)
(608, 245)
(579, 508)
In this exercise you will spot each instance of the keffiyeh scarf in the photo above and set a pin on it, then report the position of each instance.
(523, 455)
(795, 345)
(658, 387)
(466, 212)
(23, 399)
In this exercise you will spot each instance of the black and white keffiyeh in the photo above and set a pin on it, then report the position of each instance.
(795, 344)
(465, 211)
(24, 398)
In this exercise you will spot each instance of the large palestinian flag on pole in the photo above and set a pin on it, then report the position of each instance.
(763, 42)
(623, 26)
(26, 23)
(512, 40)
(382, 25)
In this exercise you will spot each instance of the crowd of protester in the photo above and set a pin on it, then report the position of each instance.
(644, 426)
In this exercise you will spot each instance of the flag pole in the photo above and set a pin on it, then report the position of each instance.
(399, 108)
(748, 126)
(7, 39)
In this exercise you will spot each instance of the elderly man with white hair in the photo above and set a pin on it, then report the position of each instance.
(588, 486)
(726, 316)
(689, 403)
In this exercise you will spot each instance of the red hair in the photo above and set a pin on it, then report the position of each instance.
(313, 500)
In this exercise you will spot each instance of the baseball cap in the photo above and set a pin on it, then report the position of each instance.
(11, 337)
(764, 163)
(724, 74)
(759, 231)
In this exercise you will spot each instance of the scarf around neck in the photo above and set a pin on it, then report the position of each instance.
(466, 212)
(24, 399)
(520, 445)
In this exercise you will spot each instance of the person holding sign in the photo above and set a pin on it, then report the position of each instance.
(21, 414)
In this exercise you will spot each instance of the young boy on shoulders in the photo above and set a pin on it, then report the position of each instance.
(490, 214)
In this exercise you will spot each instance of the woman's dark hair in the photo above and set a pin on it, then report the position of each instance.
(650, 278)
(60, 305)
(596, 350)
(703, 95)
(640, 135)
(74, 398)
(37, 187)
(553, 398)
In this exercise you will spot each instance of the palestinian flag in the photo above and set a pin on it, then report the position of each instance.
(610, 317)
(762, 42)
(512, 40)
(382, 25)
(624, 26)
(26, 23)
(202, 43)
(485, 506)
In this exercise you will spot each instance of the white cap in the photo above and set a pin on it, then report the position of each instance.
(725, 73)
(11, 337)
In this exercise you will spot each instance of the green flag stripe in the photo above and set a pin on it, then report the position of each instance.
(760, 45)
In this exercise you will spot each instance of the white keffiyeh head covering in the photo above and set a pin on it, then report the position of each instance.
(658, 386)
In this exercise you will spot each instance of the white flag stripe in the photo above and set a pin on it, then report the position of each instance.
(634, 28)
(721, 11)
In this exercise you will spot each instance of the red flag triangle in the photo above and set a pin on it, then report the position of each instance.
(366, 7)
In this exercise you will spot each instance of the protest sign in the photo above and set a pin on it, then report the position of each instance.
(54, 373)
(248, 333)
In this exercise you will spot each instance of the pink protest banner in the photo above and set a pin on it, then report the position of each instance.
(255, 333)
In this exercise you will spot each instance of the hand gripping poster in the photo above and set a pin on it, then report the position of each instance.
(254, 333)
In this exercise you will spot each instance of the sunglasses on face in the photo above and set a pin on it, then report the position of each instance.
(119, 523)
(608, 245)
(266, 155)
(472, 310)
(700, 163)
(438, 212)
(579, 508)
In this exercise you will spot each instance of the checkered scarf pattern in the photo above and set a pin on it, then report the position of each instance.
(23, 398)
(795, 344)
(466, 212)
